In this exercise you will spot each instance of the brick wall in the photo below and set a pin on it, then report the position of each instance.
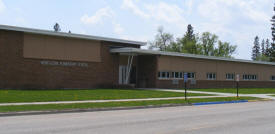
(22, 73)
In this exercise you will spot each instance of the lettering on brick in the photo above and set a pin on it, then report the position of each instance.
(64, 63)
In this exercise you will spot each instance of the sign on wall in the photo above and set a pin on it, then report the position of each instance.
(175, 82)
(64, 63)
(237, 77)
(185, 77)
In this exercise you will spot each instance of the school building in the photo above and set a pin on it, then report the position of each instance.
(41, 59)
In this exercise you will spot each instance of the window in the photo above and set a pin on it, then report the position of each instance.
(191, 75)
(230, 76)
(211, 76)
(168, 75)
(249, 77)
(181, 74)
(164, 75)
(272, 78)
(177, 75)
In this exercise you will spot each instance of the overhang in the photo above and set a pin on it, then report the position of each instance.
(70, 35)
(136, 51)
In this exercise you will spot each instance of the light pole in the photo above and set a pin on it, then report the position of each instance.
(185, 85)
(237, 81)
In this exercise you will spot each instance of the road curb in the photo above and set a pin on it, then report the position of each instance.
(87, 110)
(260, 100)
(219, 102)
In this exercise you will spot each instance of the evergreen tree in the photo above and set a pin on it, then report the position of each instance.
(56, 27)
(189, 42)
(267, 48)
(190, 33)
(256, 49)
(272, 49)
(263, 50)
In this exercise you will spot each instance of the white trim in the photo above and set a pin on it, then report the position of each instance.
(153, 52)
(70, 35)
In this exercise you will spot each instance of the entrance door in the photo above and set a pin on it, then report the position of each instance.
(122, 74)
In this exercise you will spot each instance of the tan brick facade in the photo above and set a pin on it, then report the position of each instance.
(201, 67)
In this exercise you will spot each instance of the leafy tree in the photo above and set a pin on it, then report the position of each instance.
(162, 40)
(256, 49)
(208, 41)
(206, 44)
(224, 49)
(56, 27)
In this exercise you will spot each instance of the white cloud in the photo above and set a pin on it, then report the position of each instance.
(215, 11)
(189, 6)
(129, 4)
(166, 12)
(98, 17)
(2, 6)
(226, 10)
(160, 12)
(118, 29)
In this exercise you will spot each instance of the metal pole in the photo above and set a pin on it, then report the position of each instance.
(237, 89)
(129, 66)
(185, 91)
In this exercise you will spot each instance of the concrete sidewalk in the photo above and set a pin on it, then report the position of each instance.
(100, 101)
(264, 96)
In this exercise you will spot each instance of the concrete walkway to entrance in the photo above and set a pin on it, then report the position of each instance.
(100, 101)
(264, 96)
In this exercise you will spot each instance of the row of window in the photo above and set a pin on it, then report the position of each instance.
(249, 77)
(179, 75)
(209, 76)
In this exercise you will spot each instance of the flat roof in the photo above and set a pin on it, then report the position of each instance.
(153, 52)
(70, 35)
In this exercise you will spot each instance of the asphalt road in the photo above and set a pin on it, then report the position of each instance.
(245, 118)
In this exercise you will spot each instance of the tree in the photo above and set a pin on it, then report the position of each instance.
(208, 41)
(190, 33)
(256, 49)
(56, 27)
(207, 44)
(224, 50)
(189, 42)
(267, 47)
(162, 40)
(272, 49)
(263, 50)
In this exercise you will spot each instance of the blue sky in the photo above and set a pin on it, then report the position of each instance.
(235, 21)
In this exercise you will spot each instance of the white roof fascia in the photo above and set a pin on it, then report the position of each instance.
(70, 35)
(153, 52)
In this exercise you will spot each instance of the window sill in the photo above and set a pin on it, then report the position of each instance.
(170, 78)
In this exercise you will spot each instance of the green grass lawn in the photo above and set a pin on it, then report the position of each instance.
(241, 90)
(13, 96)
(113, 104)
